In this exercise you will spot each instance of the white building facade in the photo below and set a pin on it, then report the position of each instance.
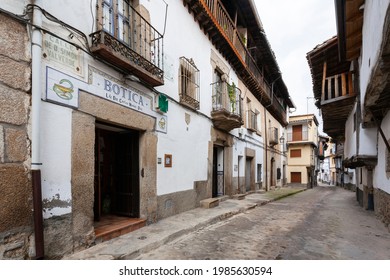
(132, 115)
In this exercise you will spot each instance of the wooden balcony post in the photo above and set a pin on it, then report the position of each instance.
(344, 84)
(350, 86)
(323, 81)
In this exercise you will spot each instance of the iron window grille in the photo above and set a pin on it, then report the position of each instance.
(189, 83)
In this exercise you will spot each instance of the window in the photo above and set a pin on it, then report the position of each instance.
(295, 153)
(387, 158)
(297, 133)
(189, 83)
(116, 19)
(252, 117)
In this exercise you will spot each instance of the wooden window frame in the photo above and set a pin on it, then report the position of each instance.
(294, 153)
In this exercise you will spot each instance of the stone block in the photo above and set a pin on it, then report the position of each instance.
(14, 106)
(14, 43)
(15, 74)
(15, 145)
(239, 196)
(209, 203)
(15, 197)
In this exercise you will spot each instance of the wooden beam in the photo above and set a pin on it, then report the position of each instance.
(344, 84)
(323, 81)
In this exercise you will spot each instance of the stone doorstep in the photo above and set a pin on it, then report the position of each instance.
(239, 196)
(209, 202)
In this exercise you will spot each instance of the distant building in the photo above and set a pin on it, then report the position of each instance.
(302, 144)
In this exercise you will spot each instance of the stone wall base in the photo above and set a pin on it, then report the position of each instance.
(17, 244)
(382, 205)
(178, 202)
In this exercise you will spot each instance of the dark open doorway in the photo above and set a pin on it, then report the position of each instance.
(116, 172)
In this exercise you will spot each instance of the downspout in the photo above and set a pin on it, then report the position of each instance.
(36, 91)
(266, 149)
(266, 132)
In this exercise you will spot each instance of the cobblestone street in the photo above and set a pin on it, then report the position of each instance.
(321, 223)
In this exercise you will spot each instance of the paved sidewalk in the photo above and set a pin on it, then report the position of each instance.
(150, 237)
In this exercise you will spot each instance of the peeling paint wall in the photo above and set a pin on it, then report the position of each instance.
(56, 160)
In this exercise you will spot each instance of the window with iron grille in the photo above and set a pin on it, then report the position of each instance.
(189, 83)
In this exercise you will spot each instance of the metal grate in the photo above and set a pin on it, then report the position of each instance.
(189, 83)
(122, 21)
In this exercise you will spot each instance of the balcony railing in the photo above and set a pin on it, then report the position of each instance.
(226, 100)
(231, 40)
(127, 40)
(273, 136)
(228, 27)
(337, 87)
(292, 137)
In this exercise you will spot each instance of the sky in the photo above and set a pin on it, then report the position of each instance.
(294, 28)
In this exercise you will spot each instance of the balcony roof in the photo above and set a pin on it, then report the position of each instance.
(349, 17)
(334, 114)
(255, 28)
(325, 52)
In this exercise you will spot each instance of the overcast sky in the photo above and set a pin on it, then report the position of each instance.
(293, 29)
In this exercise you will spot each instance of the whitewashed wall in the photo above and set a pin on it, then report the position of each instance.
(374, 14)
(56, 139)
(381, 178)
(350, 136)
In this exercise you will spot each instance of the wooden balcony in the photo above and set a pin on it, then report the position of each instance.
(134, 46)
(226, 113)
(337, 88)
(216, 22)
(337, 101)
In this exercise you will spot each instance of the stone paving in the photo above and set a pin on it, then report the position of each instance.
(148, 238)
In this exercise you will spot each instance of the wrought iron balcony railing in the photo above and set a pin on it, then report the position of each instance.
(273, 136)
(127, 40)
(228, 37)
(226, 111)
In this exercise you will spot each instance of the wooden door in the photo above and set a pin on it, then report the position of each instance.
(248, 174)
(126, 184)
(296, 177)
(297, 132)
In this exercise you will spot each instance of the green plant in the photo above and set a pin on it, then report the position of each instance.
(232, 96)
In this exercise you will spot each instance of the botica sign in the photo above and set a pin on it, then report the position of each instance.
(116, 91)
(64, 90)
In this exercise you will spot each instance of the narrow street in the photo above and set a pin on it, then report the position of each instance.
(324, 223)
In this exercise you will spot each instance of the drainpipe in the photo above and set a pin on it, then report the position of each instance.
(266, 150)
(36, 91)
